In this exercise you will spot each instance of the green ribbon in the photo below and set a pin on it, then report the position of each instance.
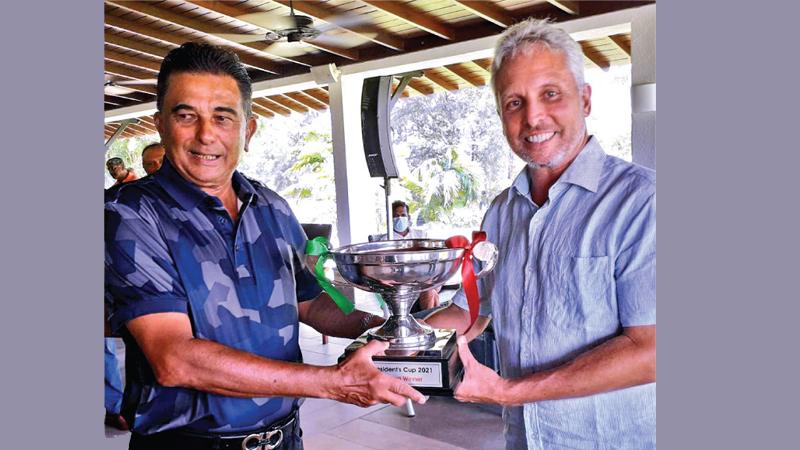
(319, 247)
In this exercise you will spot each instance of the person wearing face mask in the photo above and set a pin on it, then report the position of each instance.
(401, 223)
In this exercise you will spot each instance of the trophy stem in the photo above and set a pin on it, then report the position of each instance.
(401, 329)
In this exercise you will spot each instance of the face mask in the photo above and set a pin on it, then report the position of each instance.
(400, 224)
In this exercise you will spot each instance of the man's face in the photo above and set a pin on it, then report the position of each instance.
(399, 211)
(117, 171)
(203, 128)
(152, 159)
(542, 110)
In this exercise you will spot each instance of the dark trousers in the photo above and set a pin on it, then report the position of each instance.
(176, 440)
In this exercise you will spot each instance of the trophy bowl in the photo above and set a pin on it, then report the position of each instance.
(399, 271)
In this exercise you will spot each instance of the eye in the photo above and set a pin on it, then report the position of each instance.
(513, 104)
(185, 117)
(224, 121)
(551, 94)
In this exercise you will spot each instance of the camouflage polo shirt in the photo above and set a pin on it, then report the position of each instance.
(172, 248)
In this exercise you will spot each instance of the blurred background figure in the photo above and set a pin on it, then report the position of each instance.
(152, 157)
(116, 167)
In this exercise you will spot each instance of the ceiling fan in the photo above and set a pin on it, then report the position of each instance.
(114, 86)
(291, 35)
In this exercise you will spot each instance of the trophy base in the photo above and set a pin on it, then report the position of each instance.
(434, 371)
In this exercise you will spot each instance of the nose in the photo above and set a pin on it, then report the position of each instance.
(535, 111)
(205, 131)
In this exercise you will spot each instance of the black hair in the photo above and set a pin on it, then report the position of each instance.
(114, 162)
(397, 203)
(194, 57)
(149, 146)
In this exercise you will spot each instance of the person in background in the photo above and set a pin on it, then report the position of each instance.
(118, 171)
(401, 223)
(572, 296)
(152, 157)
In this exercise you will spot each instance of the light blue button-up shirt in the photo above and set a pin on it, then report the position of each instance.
(571, 273)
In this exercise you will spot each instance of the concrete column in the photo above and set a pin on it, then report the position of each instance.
(643, 86)
(353, 187)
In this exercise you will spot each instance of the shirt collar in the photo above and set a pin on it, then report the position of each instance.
(584, 171)
(188, 195)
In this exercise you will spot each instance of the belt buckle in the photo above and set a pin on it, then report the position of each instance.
(263, 440)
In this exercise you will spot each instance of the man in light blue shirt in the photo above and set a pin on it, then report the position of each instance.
(572, 297)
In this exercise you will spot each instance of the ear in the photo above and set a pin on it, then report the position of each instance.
(159, 125)
(586, 96)
(250, 130)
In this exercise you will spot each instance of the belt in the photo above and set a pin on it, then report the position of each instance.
(268, 438)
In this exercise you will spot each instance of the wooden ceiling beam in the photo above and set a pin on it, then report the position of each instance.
(594, 56)
(441, 81)
(621, 43)
(321, 95)
(130, 44)
(202, 27)
(414, 18)
(420, 86)
(288, 103)
(366, 32)
(307, 101)
(569, 7)
(273, 106)
(139, 63)
(462, 73)
(233, 13)
(261, 111)
(260, 62)
(484, 63)
(487, 11)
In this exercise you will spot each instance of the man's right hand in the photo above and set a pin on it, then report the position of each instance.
(359, 382)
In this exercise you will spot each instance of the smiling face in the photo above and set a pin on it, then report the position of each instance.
(542, 110)
(203, 128)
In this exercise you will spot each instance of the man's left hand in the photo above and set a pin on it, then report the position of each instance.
(480, 384)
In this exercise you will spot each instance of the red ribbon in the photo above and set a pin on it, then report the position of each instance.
(467, 271)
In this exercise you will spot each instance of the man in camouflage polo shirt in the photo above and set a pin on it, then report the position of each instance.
(206, 271)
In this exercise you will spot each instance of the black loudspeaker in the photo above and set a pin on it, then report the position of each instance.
(375, 110)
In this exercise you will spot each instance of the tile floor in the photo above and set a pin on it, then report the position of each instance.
(442, 423)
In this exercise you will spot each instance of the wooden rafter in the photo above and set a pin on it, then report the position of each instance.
(464, 74)
(288, 103)
(321, 95)
(621, 43)
(257, 62)
(569, 7)
(366, 32)
(272, 105)
(139, 63)
(487, 11)
(307, 101)
(484, 63)
(233, 12)
(594, 56)
(202, 27)
(414, 18)
(261, 111)
(441, 81)
(421, 86)
(130, 44)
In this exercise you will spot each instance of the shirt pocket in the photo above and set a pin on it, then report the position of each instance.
(579, 291)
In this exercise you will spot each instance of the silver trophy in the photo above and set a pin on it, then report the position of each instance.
(399, 271)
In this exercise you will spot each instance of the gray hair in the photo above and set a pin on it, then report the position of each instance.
(524, 35)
